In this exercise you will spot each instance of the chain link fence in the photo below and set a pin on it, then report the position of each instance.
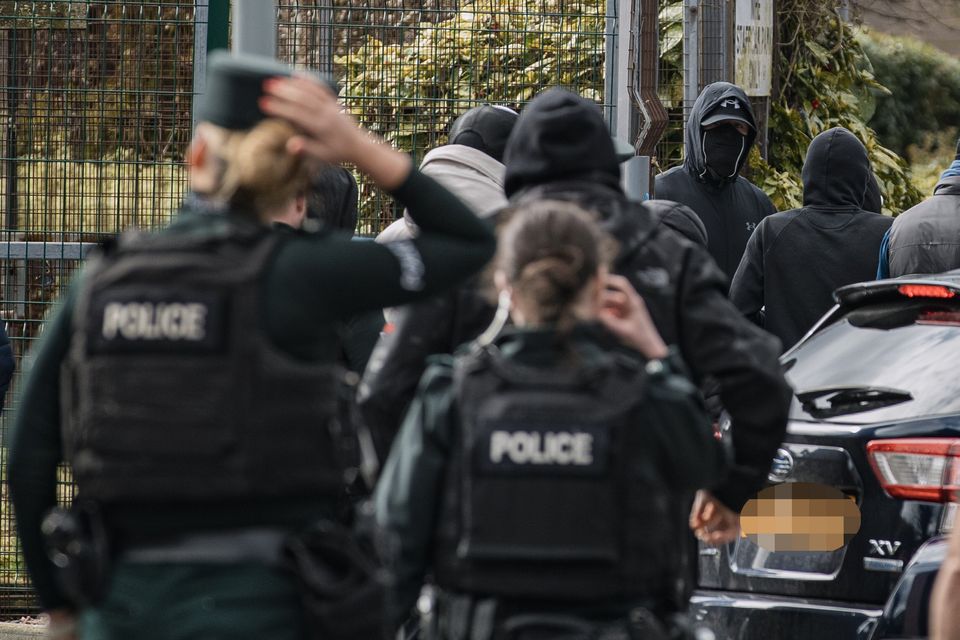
(696, 50)
(407, 70)
(95, 100)
(97, 97)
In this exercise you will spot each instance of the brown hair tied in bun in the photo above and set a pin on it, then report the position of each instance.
(549, 251)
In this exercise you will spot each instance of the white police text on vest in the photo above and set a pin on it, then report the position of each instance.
(149, 321)
(550, 448)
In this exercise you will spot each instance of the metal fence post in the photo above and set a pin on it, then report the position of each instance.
(619, 59)
(715, 44)
(644, 82)
(255, 27)
(611, 88)
(211, 19)
(691, 55)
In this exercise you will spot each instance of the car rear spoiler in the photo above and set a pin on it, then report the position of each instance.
(856, 295)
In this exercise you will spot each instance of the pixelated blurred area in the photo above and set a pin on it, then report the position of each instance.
(800, 517)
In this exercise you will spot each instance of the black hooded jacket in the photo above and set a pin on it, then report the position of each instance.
(679, 218)
(729, 208)
(684, 291)
(332, 201)
(797, 259)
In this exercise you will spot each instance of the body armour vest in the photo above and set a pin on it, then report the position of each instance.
(552, 490)
(173, 392)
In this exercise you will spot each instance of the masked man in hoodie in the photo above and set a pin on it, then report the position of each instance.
(796, 259)
(720, 132)
(561, 150)
(924, 239)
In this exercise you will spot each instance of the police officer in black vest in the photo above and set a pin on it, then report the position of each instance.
(542, 480)
(188, 378)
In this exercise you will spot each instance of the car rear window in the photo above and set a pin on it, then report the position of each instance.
(905, 346)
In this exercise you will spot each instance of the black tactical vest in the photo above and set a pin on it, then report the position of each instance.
(172, 390)
(552, 490)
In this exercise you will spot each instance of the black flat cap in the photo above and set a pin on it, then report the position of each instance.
(485, 128)
(235, 86)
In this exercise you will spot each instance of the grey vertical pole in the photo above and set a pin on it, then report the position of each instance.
(691, 55)
(255, 27)
(844, 10)
(636, 178)
(325, 60)
(625, 46)
(611, 85)
(621, 39)
(201, 22)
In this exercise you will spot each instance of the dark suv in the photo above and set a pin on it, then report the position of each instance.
(876, 414)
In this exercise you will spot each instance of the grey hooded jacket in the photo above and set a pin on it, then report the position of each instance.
(926, 238)
(475, 178)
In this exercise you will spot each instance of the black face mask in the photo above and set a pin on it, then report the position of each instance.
(723, 151)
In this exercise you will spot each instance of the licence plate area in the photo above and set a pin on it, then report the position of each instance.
(796, 462)
(749, 559)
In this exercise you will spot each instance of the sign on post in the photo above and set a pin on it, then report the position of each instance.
(753, 46)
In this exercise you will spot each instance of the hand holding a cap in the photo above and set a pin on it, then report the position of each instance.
(329, 134)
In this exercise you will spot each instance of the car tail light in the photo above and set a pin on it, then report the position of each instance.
(948, 518)
(925, 469)
(940, 318)
(926, 291)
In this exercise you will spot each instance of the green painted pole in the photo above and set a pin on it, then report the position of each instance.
(218, 26)
(211, 32)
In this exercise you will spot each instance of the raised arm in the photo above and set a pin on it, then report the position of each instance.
(717, 341)
(343, 278)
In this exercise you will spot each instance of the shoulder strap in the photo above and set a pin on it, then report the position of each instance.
(241, 232)
(489, 356)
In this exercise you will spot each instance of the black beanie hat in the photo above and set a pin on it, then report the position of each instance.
(958, 149)
(559, 136)
(485, 128)
(235, 86)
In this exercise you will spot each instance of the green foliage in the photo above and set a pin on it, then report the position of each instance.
(41, 14)
(494, 51)
(670, 87)
(85, 200)
(825, 81)
(924, 85)
(671, 52)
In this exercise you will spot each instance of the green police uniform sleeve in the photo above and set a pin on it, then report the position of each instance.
(408, 494)
(34, 451)
(689, 454)
(328, 277)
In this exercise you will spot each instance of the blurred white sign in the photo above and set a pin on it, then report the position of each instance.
(753, 46)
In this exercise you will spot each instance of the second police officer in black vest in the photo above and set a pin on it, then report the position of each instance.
(541, 481)
(189, 380)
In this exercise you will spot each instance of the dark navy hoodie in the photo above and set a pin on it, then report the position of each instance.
(730, 208)
(797, 259)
